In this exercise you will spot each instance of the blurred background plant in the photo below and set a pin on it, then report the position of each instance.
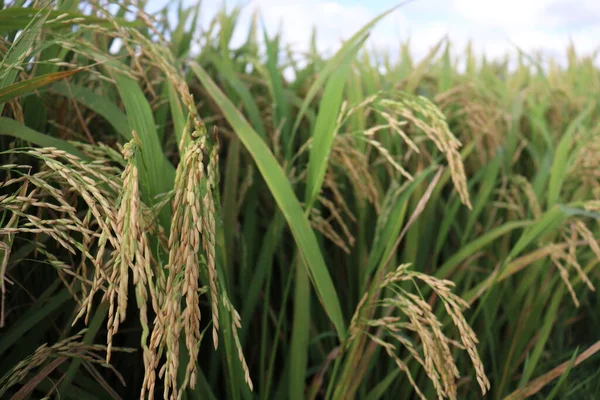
(365, 228)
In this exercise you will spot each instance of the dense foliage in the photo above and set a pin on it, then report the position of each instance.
(181, 219)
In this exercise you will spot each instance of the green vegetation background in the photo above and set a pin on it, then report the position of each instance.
(385, 227)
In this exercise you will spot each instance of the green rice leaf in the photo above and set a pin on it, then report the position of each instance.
(560, 165)
(334, 63)
(19, 49)
(286, 199)
(97, 103)
(325, 130)
(29, 85)
(10, 127)
(158, 174)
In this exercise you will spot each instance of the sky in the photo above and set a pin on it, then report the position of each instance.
(495, 27)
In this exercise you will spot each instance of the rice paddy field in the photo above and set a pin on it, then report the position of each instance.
(182, 218)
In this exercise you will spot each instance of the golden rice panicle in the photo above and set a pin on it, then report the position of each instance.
(564, 275)
(191, 251)
(336, 215)
(236, 323)
(71, 347)
(325, 227)
(192, 245)
(388, 157)
(592, 205)
(527, 188)
(183, 267)
(133, 255)
(208, 239)
(137, 253)
(218, 292)
(41, 207)
(65, 173)
(347, 159)
(355, 326)
(416, 316)
(588, 236)
(454, 306)
(422, 113)
(478, 115)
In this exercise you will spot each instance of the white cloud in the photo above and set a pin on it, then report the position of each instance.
(545, 26)
(333, 20)
(495, 27)
(504, 13)
(540, 14)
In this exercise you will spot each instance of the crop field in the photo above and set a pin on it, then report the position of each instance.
(182, 218)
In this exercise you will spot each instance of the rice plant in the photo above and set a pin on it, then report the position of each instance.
(179, 220)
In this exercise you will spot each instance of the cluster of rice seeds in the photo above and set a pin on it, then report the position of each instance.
(132, 40)
(564, 275)
(347, 112)
(576, 230)
(5, 249)
(80, 177)
(19, 205)
(127, 230)
(162, 58)
(388, 157)
(209, 242)
(123, 227)
(134, 255)
(7, 241)
(193, 220)
(454, 306)
(193, 215)
(64, 174)
(336, 215)
(527, 189)
(437, 358)
(338, 210)
(592, 205)
(588, 236)
(396, 126)
(481, 116)
(422, 113)
(237, 324)
(66, 271)
(71, 347)
(11, 227)
(330, 183)
(325, 227)
(192, 247)
(118, 221)
(369, 136)
(347, 159)
(355, 326)
(505, 199)
(586, 166)
(183, 267)
(390, 350)
(209, 237)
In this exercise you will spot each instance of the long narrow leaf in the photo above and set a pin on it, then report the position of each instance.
(334, 63)
(29, 85)
(286, 199)
(97, 103)
(325, 129)
(13, 128)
